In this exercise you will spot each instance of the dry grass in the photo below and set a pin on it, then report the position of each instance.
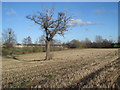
(69, 68)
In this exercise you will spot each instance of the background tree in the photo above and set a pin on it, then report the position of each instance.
(27, 41)
(107, 43)
(56, 42)
(24, 42)
(87, 43)
(41, 40)
(51, 26)
(119, 39)
(9, 38)
(99, 39)
(74, 44)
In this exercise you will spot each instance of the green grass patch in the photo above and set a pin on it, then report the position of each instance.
(117, 46)
(48, 76)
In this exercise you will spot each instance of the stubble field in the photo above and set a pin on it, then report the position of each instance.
(76, 68)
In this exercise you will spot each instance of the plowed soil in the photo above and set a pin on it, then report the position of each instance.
(76, 68)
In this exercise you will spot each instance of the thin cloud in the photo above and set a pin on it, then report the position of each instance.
(11, 12)
(80, 22)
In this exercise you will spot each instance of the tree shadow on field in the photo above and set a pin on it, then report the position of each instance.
(40, 60)
(24, 60)
(33, 60)
(12, 57)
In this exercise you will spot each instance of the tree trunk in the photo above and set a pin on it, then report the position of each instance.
(47, 50)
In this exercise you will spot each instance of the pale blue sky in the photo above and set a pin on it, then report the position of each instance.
(102, 15)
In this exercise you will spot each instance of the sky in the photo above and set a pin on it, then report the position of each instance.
(88, 19)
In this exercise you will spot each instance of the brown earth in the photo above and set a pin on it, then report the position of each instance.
(76, 68)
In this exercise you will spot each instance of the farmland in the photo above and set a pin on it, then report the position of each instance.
(74, 68)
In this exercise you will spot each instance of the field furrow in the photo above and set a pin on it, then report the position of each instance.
(68, 68)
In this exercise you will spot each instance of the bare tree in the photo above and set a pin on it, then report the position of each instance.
(119, 39)
(87, 43)
(99, 39)
(87, 40)
(41, 40)
(27, 41)
(51, 26)
(8, 38)
(56, 42)
(24, 42)
(107, 43)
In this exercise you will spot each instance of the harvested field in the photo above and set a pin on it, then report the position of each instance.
(76, 68)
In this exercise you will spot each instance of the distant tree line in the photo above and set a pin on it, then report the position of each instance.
(98, 43)
(10, 40)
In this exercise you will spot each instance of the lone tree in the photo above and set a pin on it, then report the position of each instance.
(51, 26)
(9, 38)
